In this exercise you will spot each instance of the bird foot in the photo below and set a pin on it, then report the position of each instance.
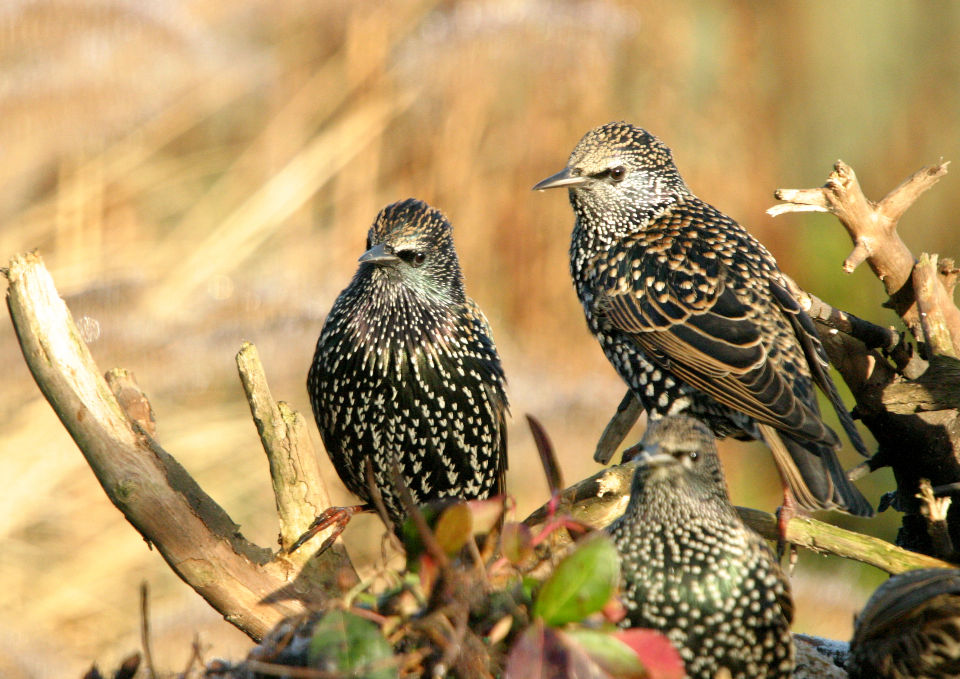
(334, 516)
(787, 511)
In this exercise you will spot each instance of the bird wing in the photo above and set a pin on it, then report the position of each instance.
(816, 356)
(725, 344)
(493, 384)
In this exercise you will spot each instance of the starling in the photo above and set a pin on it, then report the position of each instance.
(910, 628)
(406, 372)
(692, 569)
(694, 314)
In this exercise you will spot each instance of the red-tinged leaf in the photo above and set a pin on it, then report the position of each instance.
(655, 651)
(551, 467)
(516, 542)
(614, 611)
(545, 653)
(581, 584)
(485, 513)
(611, 654)
(453, 528)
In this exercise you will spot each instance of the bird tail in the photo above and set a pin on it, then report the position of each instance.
(814, 475)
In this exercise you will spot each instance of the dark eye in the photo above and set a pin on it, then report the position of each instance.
(412, 257)
(693, 455)
(618, 173)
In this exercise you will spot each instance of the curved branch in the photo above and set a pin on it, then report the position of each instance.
(196, 537)
(599, 500)
(911, 408)
(872, 227)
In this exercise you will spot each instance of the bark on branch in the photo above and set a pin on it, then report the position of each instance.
(251, 586)
(600, 499)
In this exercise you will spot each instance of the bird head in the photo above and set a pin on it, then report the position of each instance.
(411, 244)
(618, 168)
(679, 452)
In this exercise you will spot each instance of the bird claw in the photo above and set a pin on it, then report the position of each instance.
(338, 517)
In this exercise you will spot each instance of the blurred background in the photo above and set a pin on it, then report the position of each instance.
(198, 173)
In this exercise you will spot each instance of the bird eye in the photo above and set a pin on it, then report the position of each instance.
(618, 173)
(412, 257)
(693, 455)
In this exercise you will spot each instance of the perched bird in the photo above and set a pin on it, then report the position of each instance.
(691, 568)
(909, 628)
(694, 314)
(406, 372)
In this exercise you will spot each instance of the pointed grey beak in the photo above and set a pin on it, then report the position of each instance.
(564, 178)
(648, 455)
(381, 253)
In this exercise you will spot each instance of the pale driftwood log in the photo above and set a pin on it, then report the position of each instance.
(251, 586)
(910, 406)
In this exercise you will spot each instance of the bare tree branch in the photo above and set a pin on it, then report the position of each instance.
(872, 226)
(600, 499)
(298, 487)
(911, 407)
(939, 318)
(244, 582)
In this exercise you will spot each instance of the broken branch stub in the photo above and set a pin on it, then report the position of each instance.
(198, 540)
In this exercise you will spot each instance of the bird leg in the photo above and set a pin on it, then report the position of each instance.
(785, 512)
(333, 516)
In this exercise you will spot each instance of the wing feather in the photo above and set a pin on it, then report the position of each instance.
(718, 342)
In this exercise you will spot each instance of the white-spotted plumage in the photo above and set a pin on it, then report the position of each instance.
(403, 357)
(691, 568)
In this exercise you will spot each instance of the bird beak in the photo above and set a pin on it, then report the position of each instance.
(378, 254)
(651, 456)
(564, 178)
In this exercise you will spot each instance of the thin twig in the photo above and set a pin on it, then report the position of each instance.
(628, 412)
(145, 629)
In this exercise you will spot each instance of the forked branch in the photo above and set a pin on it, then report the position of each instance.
(248, 584)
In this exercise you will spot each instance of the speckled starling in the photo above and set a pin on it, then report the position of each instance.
(909, 628)
(406, 371)
(692, 569)
(694, 314)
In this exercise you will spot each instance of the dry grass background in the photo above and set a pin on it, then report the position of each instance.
(197, 173)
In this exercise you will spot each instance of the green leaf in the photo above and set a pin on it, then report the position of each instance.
(581, 584)
(614, 656)
(352, 646)
(516, 542)
(545, 653)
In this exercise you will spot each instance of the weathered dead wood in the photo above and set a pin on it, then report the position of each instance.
(248, 584)
(910, 406)
(872, 226)
(600, 499)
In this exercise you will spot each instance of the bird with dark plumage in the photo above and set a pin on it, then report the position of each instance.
(406, 372)
(694, 314)
(909, 628)
(691, 568)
